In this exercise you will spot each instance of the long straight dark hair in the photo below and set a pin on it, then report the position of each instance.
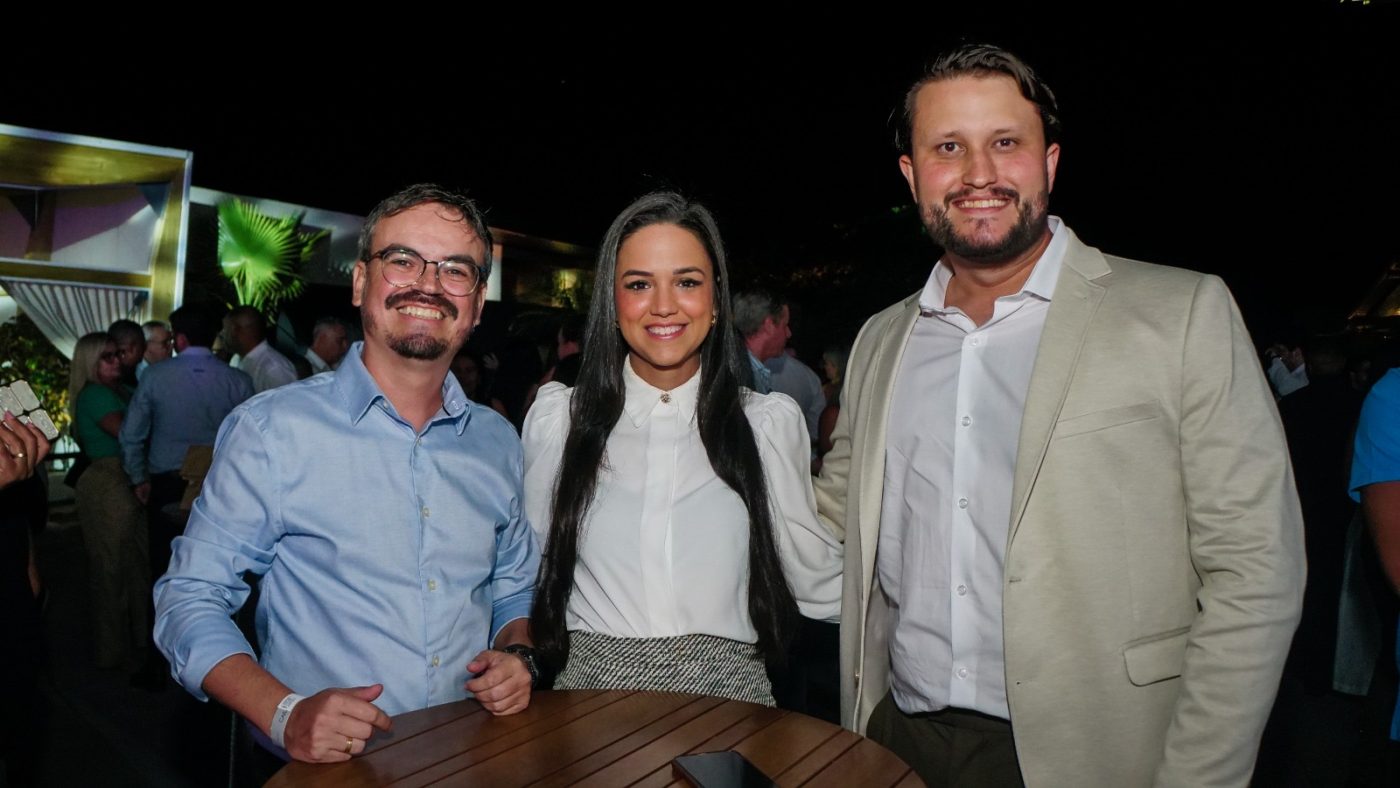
(597, 404)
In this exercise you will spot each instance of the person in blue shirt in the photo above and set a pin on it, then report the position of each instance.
(382, 508)
(178, 404)
(1375, 482)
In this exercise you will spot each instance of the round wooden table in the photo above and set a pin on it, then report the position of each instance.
(604, 738)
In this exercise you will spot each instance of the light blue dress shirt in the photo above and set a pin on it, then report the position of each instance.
(179, 403)
(388, 556)
(762, 378)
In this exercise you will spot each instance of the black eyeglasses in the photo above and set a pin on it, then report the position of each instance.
(110, 355)
(404, 267)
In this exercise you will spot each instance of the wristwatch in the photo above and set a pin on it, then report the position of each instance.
(527, 655)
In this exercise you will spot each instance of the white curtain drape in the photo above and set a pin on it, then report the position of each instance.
(65, 311)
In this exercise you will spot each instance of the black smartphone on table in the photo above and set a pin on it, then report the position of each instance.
(726, 769)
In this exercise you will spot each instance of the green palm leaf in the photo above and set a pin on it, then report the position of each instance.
(261, 254)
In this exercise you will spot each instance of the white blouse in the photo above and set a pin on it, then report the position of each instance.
(664, 549)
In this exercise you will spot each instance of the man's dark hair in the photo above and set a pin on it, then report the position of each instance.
(199, 325)
(981, 60)
(125, 332)
(421, 194)
(1325, 356)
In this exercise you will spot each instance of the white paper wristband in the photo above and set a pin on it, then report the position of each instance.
(280, 717)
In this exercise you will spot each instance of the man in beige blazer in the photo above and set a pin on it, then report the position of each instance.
(1144, 549)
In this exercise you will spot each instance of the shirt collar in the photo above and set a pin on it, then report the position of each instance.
(1041, 282)
(360, 392)
(257, 351)
(643, 398)
(317, 363)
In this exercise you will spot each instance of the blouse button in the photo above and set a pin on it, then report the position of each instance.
(666, 397)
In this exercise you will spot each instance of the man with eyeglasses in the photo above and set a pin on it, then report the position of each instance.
(381, 508)
(160, 345)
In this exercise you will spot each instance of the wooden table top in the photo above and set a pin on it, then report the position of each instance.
(603, 738)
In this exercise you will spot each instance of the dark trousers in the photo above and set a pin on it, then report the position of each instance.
(253, 765)
(810, 681)
(166, 489)
(953, 747)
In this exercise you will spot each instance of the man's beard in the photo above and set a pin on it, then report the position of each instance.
(417, 346)
(1025, 233)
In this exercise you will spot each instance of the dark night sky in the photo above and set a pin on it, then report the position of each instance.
(1267, 152)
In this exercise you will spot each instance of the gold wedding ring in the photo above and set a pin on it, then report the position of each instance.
(349, 745)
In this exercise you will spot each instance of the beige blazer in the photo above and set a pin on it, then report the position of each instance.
(1154, 569)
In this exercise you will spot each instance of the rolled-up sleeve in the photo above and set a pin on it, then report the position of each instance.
(233, 528)
(517, 564)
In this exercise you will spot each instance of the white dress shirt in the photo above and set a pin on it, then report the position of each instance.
(268, 368)
(318, 365)
(950, 457)
(664, 550)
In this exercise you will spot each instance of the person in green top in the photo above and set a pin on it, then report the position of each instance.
(112, 520)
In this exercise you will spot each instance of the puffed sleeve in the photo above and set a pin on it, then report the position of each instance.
(811, 555)
(546, 427)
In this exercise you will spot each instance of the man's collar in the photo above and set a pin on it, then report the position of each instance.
(643, 398)
(317, 363)
(1041, 282)
(257, 350)
(361, 392)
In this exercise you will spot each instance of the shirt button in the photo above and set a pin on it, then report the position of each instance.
(962, 673)
(976, 341)
(962, 590)
(432, 585)
(437, 662)
(962, 503)
(425, 511)
(966, 420)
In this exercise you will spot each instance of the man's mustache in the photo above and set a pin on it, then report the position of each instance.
(419, 298)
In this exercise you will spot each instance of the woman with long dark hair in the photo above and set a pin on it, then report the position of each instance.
(673, 504)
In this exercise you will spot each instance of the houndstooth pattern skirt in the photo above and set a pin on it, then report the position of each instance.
(698, 664)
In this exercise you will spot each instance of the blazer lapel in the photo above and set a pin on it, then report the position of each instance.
(879, 392)
(1076, 299)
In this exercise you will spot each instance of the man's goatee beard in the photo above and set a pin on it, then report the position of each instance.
(418, 347)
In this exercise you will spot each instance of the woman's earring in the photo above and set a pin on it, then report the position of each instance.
(714, 318)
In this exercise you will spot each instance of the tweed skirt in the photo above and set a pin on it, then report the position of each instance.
(698, 664)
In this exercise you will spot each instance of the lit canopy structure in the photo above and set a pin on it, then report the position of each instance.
(91, 230)
(1379, 312)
